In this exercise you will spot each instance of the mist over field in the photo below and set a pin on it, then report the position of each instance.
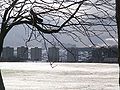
(64, 76)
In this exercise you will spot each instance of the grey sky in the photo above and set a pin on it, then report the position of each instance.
(17, 36)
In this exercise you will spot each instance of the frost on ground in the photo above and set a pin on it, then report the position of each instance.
(65, 76)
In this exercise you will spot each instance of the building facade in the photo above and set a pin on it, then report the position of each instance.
(105, 54)
(53, 54)
(8, 53)
(22, 53)
(36, 54)
(72, 54)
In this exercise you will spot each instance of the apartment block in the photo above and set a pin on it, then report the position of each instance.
(36, 54)
(53, 54)
(22, 53)
(8, 53)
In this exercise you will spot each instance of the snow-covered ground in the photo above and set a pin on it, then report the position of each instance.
(64, 76)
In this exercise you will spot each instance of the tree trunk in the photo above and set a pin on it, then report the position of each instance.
(1, 80)
(2, 36)
(118, 27)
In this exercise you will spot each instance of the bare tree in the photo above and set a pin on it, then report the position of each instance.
(75, 18)
(118, 29)
(118, 26)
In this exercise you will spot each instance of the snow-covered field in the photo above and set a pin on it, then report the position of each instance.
(64, 76)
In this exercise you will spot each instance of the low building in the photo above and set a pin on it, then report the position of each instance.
(110, 60)
(104, 54)
(36, 54)
(72, 54)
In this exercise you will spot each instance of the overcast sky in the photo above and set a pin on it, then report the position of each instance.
(17, 36)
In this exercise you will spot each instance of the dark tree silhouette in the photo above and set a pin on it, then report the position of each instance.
(118, 29)
(75, 18)
(35, 18)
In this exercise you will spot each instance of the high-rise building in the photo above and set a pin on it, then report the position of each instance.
(36, 54)
(22, 53)
(53, 54)
(72, 54)
(8, 53)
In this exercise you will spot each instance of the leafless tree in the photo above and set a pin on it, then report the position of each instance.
(75, 18)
